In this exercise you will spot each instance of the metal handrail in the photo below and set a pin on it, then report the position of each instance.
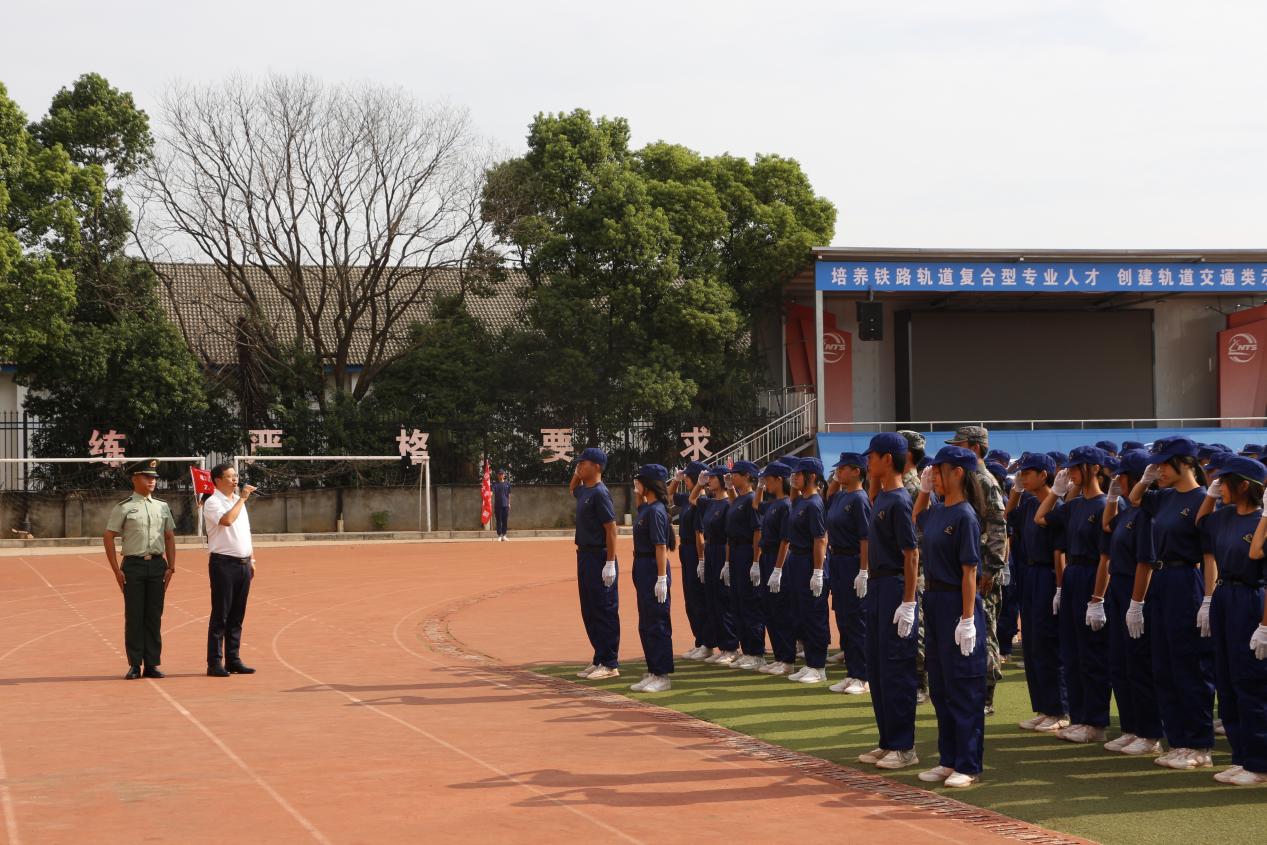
(794, 426)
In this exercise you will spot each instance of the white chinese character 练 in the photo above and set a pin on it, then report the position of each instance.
(556, 444)
(108, 445)
(265, 438)
(413, 444)
(696, 441)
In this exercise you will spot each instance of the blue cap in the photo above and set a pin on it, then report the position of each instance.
(695, 468)
(850, 459)
(1106, 445)
(1131, 444)
(1251, 450)
(888, 443)
(718, 471)
(1205, 450)
(1084, 455)
(789, 461)
(1215, 462)
(813, 465)
(1244, 467)
(1058, 457)
(1112, 463)
(776, 469)
(956, 456)
(1172, 447)
(998, 471)
(652, 472)
(594, 455)
(1133, 462)
(1038, 461)
(747, 468)
(999, 457)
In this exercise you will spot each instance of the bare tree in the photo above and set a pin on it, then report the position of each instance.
(336, 204)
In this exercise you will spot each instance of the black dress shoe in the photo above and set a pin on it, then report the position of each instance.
(152, 672)
(215, 670)
(134, 672)
(237, 667)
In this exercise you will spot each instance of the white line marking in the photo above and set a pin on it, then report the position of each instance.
(10, 814)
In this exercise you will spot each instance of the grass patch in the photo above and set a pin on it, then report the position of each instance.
(1077, 789)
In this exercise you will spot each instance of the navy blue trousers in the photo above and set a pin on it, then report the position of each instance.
(1009, 610)
(778, 612)
(1183, 660)
(693, 592)
(502, 515)
(746, 603)
(655, 629)
(1235, 614)
(1084, 653)
(721, 621)
(891, 665)
(956, 684)
(1130, 664)
(851, 620)
(1043, 676)
(809, 612)
(600, 606)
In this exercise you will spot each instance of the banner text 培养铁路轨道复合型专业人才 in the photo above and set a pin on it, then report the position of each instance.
(1040, 276)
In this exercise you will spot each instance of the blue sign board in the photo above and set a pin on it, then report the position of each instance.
(1039, 276)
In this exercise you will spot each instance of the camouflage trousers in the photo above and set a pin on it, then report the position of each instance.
(992, 600)
(920, 672)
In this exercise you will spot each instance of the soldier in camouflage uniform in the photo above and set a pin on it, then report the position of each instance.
(989, 498)
(910, 480)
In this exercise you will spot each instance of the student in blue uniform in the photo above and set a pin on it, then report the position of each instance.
(1044, 677)
(1007, 623)
(848, 512)
(596, 564)
(774, 505)
(1108, 446)
(954, 621)
(1125, 543)
(1183, 660)
(711, 502)
(501, 502)
(800, 570)
(892, 569)
(1084, 650)
(691, 585)
(1236, 619)
(742, 522)
(652, 541)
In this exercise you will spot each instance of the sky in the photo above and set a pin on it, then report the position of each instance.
(928, 123)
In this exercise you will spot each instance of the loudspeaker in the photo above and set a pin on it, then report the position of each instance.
(870, 320)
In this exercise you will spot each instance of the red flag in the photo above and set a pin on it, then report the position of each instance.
(202, 481)
(486, 495)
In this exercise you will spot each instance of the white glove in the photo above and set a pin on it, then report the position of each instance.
(1203, 615)
(926, 480)
(1005, 576)
(1114, 488)
(1055, 603)
(725, 573)
(699, 572)
(754, 573)
(662, 588)
(776, 580)
(1135, 619)
(966, 636)
(1095, 615)
(1258, 642)
(904, 618)
(860, 584)
(1150, 474)
(1061, 485)
(1215, 490)
(609, 573)
(816, 583)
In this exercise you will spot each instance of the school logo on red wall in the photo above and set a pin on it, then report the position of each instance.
(1242, 347)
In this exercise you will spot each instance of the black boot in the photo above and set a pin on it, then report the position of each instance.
(215, 670)
(237, 667)
(134, 672)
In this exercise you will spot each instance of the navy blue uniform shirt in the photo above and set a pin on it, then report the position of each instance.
(685, 517)
(890, 532)
(847, 518)
(711, 516)
(501, 494)
(1174, 514)
(952, 540)
(1227, 534)
(741, 520)
(651, 529)
(1081, 522)
(1130, 542)
(774, 514)
(1038, 541)
(594, 509)
(806, 522)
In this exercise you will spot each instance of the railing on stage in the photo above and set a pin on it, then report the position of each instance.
(793, 428)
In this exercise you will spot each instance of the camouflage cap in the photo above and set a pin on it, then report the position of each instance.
(914, 440)
(970, 434)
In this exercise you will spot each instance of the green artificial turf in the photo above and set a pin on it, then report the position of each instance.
(1078, 789)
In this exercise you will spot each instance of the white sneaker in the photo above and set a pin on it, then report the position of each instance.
(585, 673)
(1120, 743)
(840, 685)
(602, 673)
(1248, 778)
(758, 663)
(713, 656)
(1226, 775)
(959, 780)
(813, 676)
(838, 657)
(658, 683)
(872, 756)
(1031, 724)
(937, 774)
(745, 662)
(637, 686)
(726, 658)
(704, 653)
(1164, 759)
(1051, 724)
(778, 667)
(1082, 734)
(691, 654)
(857, 687)
(1142, 746)
(798, 674)
(1195, 758)
(1219, 730)
(897, 760)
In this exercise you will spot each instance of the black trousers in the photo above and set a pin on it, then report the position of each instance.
(502, 514)
(230, 586)
(143, 592)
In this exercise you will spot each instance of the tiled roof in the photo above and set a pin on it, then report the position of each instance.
(198, 299)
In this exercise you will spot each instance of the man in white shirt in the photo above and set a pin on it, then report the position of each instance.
(232, 568)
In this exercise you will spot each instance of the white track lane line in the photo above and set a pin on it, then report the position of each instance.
(620, 834)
